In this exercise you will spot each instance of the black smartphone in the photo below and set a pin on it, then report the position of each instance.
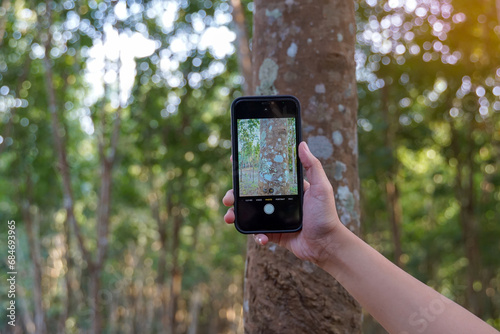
(267, 174)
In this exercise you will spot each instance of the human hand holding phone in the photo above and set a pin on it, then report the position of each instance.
(319, 220)
(394, 298)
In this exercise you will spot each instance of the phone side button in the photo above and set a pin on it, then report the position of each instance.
(269, 208)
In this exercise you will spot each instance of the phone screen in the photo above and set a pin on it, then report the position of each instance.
(267, 176)
(267, 158)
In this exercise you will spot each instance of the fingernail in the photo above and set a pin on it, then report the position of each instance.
(259, 240)
(307, 147)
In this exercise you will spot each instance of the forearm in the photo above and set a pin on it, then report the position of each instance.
(399, 302)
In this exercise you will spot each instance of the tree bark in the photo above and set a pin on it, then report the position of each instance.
(306, 48)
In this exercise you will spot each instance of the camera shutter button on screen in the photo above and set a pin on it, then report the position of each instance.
(269, 208)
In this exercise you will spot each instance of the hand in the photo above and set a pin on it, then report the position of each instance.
(319, 219)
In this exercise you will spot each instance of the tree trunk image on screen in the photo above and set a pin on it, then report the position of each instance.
(273, 164)
(312, 57)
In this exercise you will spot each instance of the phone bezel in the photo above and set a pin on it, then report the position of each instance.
(234, 150)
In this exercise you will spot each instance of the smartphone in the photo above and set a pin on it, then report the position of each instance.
(267, 174)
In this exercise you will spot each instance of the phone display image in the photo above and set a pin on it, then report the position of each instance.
(267, 157)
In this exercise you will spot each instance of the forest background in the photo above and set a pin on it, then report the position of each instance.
(115, 144)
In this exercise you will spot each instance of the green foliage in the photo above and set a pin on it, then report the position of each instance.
(428, 87)
(428, 120)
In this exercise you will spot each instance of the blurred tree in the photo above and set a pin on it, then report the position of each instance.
(98, 94)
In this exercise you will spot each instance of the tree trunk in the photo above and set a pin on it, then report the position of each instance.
(306, 48)
(244, 57)
(464, 189)
(394, 208)
(68, 302)
(194, 309)
(34, 249)
(395, 216)
(161, 319)
(176, 274)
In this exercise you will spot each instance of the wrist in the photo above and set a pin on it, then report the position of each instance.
(334, 252)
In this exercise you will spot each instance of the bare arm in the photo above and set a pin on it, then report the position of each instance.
(399, 302)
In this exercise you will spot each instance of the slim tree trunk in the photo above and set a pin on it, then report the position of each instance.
(395, 216)
(194, 309)
(464, 190)
(306, 48)
(394, 208)
(176, 275)
(68, 302)
(161, 320)
(470, 229)
(3, 20)
(34, 249)
(26, 316)
(244, 56)
(107, 157)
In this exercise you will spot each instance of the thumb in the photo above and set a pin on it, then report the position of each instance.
(314, 171)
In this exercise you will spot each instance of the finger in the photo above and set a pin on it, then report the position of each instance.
(228, 199)
(307, 185)
(314, 171)
(229, 216)
(261, 239)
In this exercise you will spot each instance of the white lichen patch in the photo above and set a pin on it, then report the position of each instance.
(320, 146)
(341, 108)
(337, 137)
(268, 72)
(278, 158)
(308, 128)
(353, 144)
(320, 89)
(246, 306)
(275, 13)
(292, 50)
(345, 204)
(308, 267)
(340, 38)
(340, 169)
(272, 247)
